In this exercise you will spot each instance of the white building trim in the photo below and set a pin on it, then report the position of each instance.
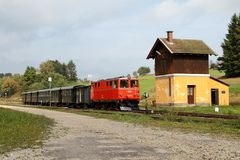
(183, 75)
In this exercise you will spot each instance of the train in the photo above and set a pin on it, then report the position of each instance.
(120, 93)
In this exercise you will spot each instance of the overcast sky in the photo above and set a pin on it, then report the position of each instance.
(105, 38)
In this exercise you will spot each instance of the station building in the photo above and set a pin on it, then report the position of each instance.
(182, 74)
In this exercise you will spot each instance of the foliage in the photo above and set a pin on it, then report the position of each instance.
(143, 70)
(62, 75)
(71, 71)
(213, 65)
(47, 67)
(58, 80)
(9, 86)
(21, 130)
(230, 61)
(5, 75)
(28, 78)
(135, 74)
(53, 66)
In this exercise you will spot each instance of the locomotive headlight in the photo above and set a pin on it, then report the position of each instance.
(120, 94)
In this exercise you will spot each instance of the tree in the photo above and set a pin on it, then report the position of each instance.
(230, 61)
(8, 75)
(28, 78)
(71, 70)
(213, 65)
(143, 70)
(47, 67)
(60, 68)
(58, 80)
(9, 86)
(1, 75)
(135, 74)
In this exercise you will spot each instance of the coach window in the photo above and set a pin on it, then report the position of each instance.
(111, 83)
(95, 85)
(107, 83)
(98, 84)
(115, 84)
(124, 83)
(134, 83)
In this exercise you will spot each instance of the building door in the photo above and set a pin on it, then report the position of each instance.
(191, 94)
(214, 97)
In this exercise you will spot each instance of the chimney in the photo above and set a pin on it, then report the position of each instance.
(170, 36)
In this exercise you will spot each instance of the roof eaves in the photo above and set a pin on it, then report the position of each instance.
(149, 55)
(214, 53)
(219, 81)
(166, 46)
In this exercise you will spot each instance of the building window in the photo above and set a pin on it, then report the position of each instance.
(190, 91)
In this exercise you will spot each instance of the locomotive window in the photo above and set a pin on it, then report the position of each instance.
(98, 84)
(124, 83)
(134, 83)
(115, 84)
(110, 83)
(107, 83)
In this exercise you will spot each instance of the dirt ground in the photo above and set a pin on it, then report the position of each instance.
(86, 138)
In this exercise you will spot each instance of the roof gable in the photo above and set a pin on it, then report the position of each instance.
(182, 46)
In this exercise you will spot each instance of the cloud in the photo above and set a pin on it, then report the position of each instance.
(27, 20)
(174, 9)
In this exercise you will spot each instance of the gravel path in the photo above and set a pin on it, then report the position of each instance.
(87, 138)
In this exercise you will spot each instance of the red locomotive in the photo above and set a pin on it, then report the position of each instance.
(121, 93)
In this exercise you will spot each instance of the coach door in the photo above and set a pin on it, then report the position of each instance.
(191, 89)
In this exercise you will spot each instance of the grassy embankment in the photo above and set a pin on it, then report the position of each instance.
(21, 130)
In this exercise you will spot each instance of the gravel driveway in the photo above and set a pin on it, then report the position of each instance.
(86, 138)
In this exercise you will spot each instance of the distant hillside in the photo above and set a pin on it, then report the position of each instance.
(216, 73)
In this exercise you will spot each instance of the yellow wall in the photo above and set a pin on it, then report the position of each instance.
(201, 92)
(179, 95)
(223, 97)
(162, 91)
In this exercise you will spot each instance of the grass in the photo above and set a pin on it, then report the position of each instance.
(147, 83)
(226, 110)
(21, 130)
(235, 88)
(166, 121)
(216, 73)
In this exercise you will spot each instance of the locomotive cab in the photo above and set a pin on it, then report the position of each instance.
(121, 93)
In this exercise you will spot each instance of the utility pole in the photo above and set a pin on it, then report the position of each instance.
(50, 92)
